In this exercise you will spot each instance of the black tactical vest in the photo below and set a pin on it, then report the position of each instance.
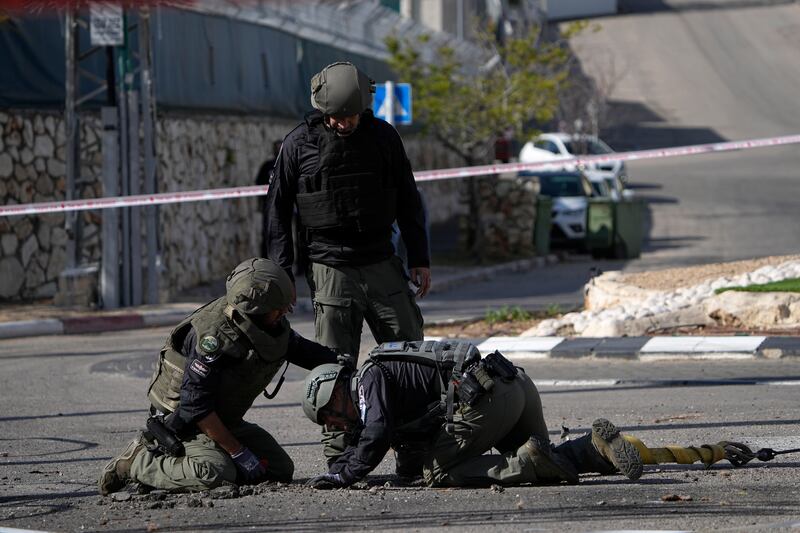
(450, 358)
(256, 359)
(350, 185)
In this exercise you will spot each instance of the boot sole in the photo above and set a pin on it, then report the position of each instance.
(109, 481)
(625, 456)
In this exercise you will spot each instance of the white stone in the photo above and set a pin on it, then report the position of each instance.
(11, 277)
(43, 146)
(30, 246)
(9, 243)
(604, 328)
(38, 124)
(6, 166)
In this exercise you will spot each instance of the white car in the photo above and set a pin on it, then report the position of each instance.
(607, 183)
(570, 192)
(549, 146)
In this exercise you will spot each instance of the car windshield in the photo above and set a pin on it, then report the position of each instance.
(586, 146)
(561, 185)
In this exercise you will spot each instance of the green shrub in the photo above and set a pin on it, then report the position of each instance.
(507, 314)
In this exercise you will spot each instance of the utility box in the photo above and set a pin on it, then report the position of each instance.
(599, 225)
(543, 225)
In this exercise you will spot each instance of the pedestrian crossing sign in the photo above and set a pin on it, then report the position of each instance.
(402, 103)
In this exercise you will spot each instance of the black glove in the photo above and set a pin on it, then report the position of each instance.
(248, 464)
(326, 482)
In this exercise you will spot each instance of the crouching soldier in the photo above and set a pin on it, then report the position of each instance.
(210, 371)
(464, 405)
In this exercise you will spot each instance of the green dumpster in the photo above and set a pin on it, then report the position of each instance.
(615, 229)
(542, 225)
(629, 228)
(600, 226)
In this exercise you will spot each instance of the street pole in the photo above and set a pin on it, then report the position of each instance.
(72, 131)
(390, 102)
(148, 148)
(109, 266)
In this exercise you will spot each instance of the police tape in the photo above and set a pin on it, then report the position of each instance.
(426, 175)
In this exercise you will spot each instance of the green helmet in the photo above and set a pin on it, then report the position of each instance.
(341, 89)
(258, 286)
(318, 388)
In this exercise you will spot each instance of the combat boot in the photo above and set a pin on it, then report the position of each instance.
(118, 471)
(603, 451)
(548, 465)
(615, 449)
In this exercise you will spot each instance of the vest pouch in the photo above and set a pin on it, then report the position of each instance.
(317, 210)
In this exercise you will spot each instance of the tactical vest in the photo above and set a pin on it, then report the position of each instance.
(450, 358)
(255, 358)
(350, 184)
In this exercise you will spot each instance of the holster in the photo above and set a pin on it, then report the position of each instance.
(166, 441)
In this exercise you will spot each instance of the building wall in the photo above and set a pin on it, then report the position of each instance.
(199, 241)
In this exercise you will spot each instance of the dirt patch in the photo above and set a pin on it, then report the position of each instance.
(481, 328)
(673, 278)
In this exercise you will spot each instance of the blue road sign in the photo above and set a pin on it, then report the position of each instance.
(402, 103)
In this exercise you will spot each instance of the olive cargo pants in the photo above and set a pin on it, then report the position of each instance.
(205, 465)
(345, 296)
(503, 418)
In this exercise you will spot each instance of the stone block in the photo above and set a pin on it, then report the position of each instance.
(31, 245)
(27, 133)
(43, 146)
(58, 260)
(44, 236)
(9, 243)
(23, 228)
(12, 276)
(56, 168)
(34, 276)
(77, 287)
(50, 125)
(6, 166)
(38, 124)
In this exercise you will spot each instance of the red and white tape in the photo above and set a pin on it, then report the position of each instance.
(426, 175)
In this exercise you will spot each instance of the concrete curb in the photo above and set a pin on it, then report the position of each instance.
(641, 348)
(99, 323)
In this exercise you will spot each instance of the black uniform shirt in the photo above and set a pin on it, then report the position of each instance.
(387, 399)
(201, 378)
(349, 249)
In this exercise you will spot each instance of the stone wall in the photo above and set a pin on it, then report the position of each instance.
(505, 219)
(199, 241)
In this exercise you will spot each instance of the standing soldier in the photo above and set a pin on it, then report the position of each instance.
(348, 174)
(214, 365)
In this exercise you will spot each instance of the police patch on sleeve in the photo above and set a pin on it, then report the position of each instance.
(209, 344)
(362, 404)
(199, 368)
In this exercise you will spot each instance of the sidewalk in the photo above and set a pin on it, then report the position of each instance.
(459, 293)
(34, 319)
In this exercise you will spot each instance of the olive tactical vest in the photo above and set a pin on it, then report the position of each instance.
(255, 358)
(350, 184)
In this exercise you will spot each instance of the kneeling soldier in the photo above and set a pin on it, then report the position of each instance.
(455, 406)
(213, 366)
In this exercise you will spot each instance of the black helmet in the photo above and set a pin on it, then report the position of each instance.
(341, 89)
(258, 286)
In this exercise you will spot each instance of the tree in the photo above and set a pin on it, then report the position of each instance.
(511, 88)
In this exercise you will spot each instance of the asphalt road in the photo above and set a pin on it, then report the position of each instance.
(71, 402)
(686, 72)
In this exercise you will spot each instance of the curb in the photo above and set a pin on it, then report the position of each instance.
(640, 348)
(169, 317)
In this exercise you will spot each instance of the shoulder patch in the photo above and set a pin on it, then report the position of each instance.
(209, 344)
(199, 368)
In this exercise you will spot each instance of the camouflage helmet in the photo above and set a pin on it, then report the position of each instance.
(341, 89)
(257, 286)
(318, 388)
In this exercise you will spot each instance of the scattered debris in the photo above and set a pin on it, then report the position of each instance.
(676, 498)
(121, 496)
(497, 488)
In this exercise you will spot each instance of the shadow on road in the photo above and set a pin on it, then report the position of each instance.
(637, 7)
